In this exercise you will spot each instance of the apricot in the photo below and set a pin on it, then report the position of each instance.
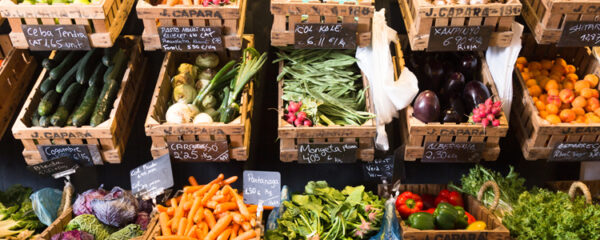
(580, 119)
(545, 72)
(540, 106)
(581, 84)
(552, 108)
(547, 64)
(586, 93)
(595, 93)
(560, 70)
(520, 67)
(535, 65)
(572, 77)
(565, 106)
(567, 115)
(543, 114)
(553, 92)
(592, 104)
(560, 61)
(570, 69)
(522, 60)
(553, 99)
(579, 102)
(566, 95)
(592, 79)
(597, 111)
(551, 84)
(531, 82)
(535, 91)
(553, 119)
(568, 85)
(578, 111)
(544, 98)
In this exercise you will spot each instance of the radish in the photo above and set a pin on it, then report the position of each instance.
(489, 102)
(496, 123)
(476, 118)
(307, 123)
(491, 117)
(301, 116)
(485, 122)
(298, 122)
(293, 107)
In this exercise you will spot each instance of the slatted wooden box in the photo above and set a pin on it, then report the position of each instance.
(286, 13)
(237, 132)
(111, 136)
(16, 72)
(420, 15)
(231, 17)
(536, 136)
(546, 18)
(103, 19)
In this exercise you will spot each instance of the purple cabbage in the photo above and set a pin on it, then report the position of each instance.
(82, 204)
(145, 205)
(142, 219)
(118, 208)
(73, 235)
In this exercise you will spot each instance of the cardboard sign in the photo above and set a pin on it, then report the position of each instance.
(325, 35)
(262, 186)
(379, 169)
(152, 178)
(327, 153)
(580, 34)
(213, 151)
(86, 155)
(459, 38)
(56, 37)
(191, 39)
(55, 167)
(452, 152)
(575, 152)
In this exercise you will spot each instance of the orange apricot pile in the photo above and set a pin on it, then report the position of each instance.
(558, 93)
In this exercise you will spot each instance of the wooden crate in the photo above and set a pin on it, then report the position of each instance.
(420, 15)
(286, 13)
(564, 186)
(494, 229)
(237, 132)
(111, 136)
(232, 18)
(103, 20)
(16, 72)
(536, 136)
(151, 234)
(546, 18)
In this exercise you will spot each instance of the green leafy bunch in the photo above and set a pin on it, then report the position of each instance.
(17, 217)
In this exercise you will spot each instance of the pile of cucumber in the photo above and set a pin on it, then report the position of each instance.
(81, 87)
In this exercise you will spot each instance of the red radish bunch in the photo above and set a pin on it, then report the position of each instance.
(296, 117)
(487, 113)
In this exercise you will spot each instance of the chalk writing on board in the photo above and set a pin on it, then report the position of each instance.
(56, 37)
(452, 152)
(379, 168)
(325, 35)
(262, 187)
(152, 178)
(213, 151)
(191, 39)
(87, 155)
(576, 152)
(459, 38)
(327, 153)
(580, 34)
(53, 166)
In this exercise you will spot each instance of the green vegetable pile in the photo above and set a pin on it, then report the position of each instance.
(325, 213)
(90, 224)
(17, 219)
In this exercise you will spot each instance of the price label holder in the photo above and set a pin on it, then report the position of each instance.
(325, 35)
(84, 154)
(262, 187)
(380, 169)
(152, 178)
(56, 37)
(327, 153)
(575, 152)
(57, 168)
(580, 34)
(459, 38)
(191, 39)
(212, 151)
(452, 152)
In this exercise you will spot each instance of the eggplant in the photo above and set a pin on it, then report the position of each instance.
(475, 93)
(454, 85)
(469, 66)
(455, 112)
(433, 72)
(427, 107)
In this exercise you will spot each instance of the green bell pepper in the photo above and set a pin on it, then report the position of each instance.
(421, 220)
(445, 216)
(462, 221)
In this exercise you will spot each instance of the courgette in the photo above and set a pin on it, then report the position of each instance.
(48, 84)
(35, 119)
(105, 102)
(109, 53)
(82, 114)
(68, 78)
(67, 101)
(48, 103)
(84, 70)
(64, 66)
(48, 63)
(96, 79)
(44, 121)
(115, 72)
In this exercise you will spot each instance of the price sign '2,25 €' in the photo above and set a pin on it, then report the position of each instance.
(262, 187)
(325, 35)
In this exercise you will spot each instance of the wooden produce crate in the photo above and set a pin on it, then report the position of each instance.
(237, 132)
(593, 187)
(231, 17)
(286, 13)
(536, 136)
(16, 72)
(420, 15)
(111, 136)
(103, 20)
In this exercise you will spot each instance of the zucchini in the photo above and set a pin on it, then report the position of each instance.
(84, 70)
(82, 114)
(47, 104)
(48, 84)
(116, 71)
(48, 63)
(35, 119)
(105, 102)
(59, 70)
(68, 78)
(44, 121)
(97, 76)
(59, 118)
(109, 53)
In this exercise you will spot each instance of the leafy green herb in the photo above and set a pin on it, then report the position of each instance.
(17, 218)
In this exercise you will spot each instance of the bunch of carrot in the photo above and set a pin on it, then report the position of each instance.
(213, 211)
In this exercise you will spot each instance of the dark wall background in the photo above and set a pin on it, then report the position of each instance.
(265, 147)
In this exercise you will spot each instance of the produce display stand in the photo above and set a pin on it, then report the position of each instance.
(546, 18)
(231, 17)
(494, 228)
(537, 136)
(287, 13)
(111, 136)
(103, 19)
(237, 132)
(420, 15)
(16, 72)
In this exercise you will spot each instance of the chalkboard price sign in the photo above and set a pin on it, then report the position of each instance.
(53, 167)
(325, 35)
(327, 153)
(86, 155)
(379, 169)
(262, 186)
(575, 152)
(191, 39)
(452, 152)
(152, 178)
(580, 34)
(459, 38)
(215, 151)
(56, 37)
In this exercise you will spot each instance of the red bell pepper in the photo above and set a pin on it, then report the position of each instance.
(452, 197)
(408, 203)
(431, 210)
(470, 218)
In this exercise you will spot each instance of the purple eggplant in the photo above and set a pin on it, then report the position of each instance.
(469, 66)
(433, 72)
(454, 85)
(427, 107)
(475, 93)
(455, 112)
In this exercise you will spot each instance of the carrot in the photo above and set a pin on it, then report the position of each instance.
(181, 227)
(234, 231)
(199, 233)
(219, 227)
(161, 208)
(171, 211)
(253, 222)
(240, 231)
(246, 226)
(174, 202)
(225, 234)
(218, 198)
(241, 206)
(187, 205)
(203, 230)
(174, 238)
(211, 204)
(176, 218)
(230, 180)
(163, 219)
(223, 214)
(193, 181)
(192, 213)
(246, 235)
(252, 208)
(191, 231)
(192, 189)
(213, 189)
(223, 207)
(210, 218)
(238, 218)
(199, 215)
(218, 179)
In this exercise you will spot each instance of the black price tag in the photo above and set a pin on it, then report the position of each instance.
(580, 34)
(152, 178)
(452, 152)
(379, 169)
(214, 151)
(191, 39)
(575, 152)
(56, 37)
(327, 153)
(459, 38)
(86, 155)
(59, 167)
(262, 186)
(325, 35)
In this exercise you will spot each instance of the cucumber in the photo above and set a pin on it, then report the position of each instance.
(44, 121)
(59, 118)
(35, 119)
(48, 63)
(68, 78)
(105, 102)
(47, 104)
(97, 76)
(115, 72)
(48, 84)
(63, 67)
(84, 70)
(82, 114)
(109, 53)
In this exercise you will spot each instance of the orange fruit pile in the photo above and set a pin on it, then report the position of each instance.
(558, 93)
